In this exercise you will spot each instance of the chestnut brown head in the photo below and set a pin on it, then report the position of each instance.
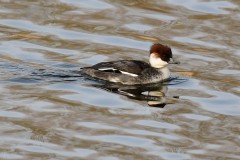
(161, 51)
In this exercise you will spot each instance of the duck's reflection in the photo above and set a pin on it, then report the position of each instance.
(153, 94)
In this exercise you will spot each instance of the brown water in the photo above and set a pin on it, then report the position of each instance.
(48, 111)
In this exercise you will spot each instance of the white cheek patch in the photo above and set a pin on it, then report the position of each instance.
(157, 62)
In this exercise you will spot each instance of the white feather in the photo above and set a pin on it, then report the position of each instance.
(130, 74)
(113, 69)
(104, 69)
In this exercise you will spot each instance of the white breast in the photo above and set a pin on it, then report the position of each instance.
(165, 73)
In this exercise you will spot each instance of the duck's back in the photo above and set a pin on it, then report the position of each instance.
(128, 72)
(129, 66)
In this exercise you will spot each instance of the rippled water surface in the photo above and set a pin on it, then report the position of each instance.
(49, 111)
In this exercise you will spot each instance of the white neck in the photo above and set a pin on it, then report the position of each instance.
(165, 72)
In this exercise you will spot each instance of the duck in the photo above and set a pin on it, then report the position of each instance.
(135, 72)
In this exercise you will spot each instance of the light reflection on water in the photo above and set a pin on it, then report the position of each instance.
(72, 35)
(215, 7)
(49, 111)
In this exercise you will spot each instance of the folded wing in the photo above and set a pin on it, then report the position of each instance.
(129, 67)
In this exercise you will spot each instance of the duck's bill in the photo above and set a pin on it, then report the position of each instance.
(173, 62)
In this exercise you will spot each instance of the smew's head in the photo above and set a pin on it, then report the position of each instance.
(160, 55)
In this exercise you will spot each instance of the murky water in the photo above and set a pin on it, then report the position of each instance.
(49, 111)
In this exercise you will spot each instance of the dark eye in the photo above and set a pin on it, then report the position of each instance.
(165, 58)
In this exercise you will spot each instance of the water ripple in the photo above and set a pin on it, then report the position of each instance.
(49, 111)
(73, 35)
